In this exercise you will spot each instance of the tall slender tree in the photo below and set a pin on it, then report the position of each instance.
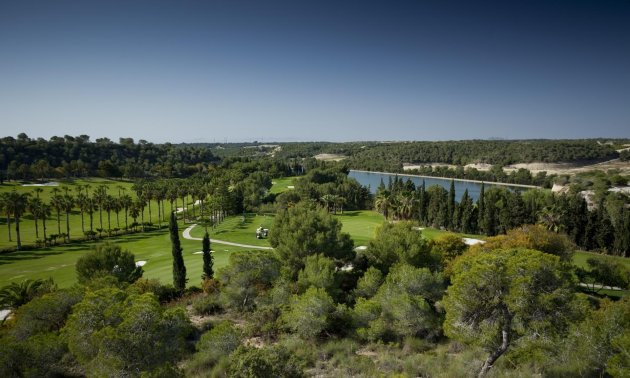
(4, 206)
(33, 208)
(179, 269)
(67, 205)
(126, 203)
(100, 196)
(56, 201)
(16, 204)
(44, 212)
(450, 216)
(208, 261)
(481, 206)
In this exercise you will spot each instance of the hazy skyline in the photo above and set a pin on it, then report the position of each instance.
(204, 71)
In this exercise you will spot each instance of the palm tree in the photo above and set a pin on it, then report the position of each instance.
(141, 203)
(339, 202)
(33, 206)
(382, 202)
(148, 195)
(134, 211)
(67, 205)
(16, 203)
(16, 294)
(100, 196)
(172, 193)
(4, 206)
(183, 193)
(43, 213)
(550, 218)
(126, 202)
(326, 200)
(160, 195)
(109, 204)
(406, 205)
(81, 200)
(56, 201)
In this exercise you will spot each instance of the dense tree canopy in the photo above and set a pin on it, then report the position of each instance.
(108, 259)
(305, 230)
(501, 296)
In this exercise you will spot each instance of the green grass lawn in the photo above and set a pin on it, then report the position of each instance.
(282, 184)
(153, 247)
(360, 224)
(580, 257)
(432, 233)
(234, 229)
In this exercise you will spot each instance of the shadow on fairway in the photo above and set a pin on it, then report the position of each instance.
(11, 257)
(349, 214)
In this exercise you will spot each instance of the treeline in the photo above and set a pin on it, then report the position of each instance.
(521, 176)
(65, 157)
(328, 185)
(390, 156)
(237, 185)
(605, 228)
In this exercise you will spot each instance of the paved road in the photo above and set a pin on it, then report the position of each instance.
(186, 235)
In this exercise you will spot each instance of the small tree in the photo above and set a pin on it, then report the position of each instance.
(179, 269)
(108, 259)
(208, 261)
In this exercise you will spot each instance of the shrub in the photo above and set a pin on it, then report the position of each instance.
(207, 305)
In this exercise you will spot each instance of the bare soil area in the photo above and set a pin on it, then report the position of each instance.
(534, 168)
(330, 157)
(571, 168)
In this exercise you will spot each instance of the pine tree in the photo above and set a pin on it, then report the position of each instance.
(208, 261)
(179, 269)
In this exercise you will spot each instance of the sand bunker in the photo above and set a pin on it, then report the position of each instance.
(52, 183)
(470, 241)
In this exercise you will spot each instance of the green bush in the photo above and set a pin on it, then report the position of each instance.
(207, 305)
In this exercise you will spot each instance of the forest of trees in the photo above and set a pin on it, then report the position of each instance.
(68, 156)
(606, 227)
(314, 305)
(404, 306)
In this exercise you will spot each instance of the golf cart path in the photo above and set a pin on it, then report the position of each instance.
(186, 235)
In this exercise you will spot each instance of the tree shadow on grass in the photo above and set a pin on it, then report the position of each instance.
(11, 257)
(354, 213)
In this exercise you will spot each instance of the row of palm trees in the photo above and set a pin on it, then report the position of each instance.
(97, 202)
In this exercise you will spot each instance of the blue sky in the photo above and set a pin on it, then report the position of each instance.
(204, 71)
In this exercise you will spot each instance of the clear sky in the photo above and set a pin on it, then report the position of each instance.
(204, 71)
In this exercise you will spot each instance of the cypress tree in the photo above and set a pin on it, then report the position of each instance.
(450, 216)
(422, 204)
(465, 213)
(622, 234)
(179, 269)
(207, 258)
(482, 210)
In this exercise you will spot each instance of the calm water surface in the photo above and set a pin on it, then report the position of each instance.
(373, 180)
